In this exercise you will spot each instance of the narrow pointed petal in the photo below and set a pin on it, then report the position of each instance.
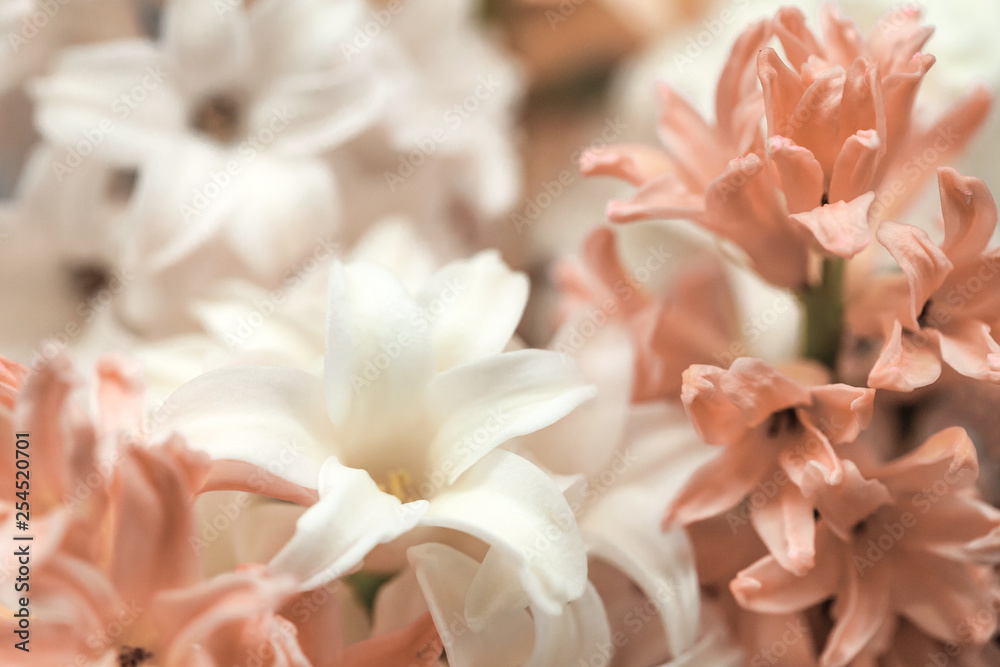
(860, 612)
(633, 163)
(272, 418)
(351, 517)
(513, 506)
(481, 405)
(905, 363)
(856, 165)
(445, 575)
(474, 307)
(921, 260)
(379, 355)
(801, 175)
(970, 216)
(841, 228)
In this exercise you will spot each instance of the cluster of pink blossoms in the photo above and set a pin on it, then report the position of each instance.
(830, 536)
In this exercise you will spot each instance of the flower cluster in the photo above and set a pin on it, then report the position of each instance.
(280, 388)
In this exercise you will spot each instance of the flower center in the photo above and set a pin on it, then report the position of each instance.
(785, 421)
(399, 483)
(220, 117)
(131, 656)
(923, 319)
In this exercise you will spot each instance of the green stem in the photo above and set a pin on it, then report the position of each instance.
(824, 313)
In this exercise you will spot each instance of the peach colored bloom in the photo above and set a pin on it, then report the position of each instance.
(115, 579)
(694, 323)
(778, 457)
(927, 555)
(941, 308)
(839, 135)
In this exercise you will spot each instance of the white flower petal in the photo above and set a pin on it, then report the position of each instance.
(580, 635)
(208, 45)
(513, 506)
(266, 416)
(474, 306)
(116, 97)
(351, 517)
(445, 575)
(378, 355)
(482, 404)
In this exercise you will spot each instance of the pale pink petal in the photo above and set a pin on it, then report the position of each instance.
(840, 35)
(970, 216)
(840, 227)
(797, 40)
(841, 411)
(899, 91)
(663, 198)
(121, 393)
(768, 588)
(966, 346)
(688, 138)
(228, 620)
(959, 593)
(862, 110)
(721, 483)
(417, 645)
(801, 175)
(817, 111)
(741, 205)
(759, 390)
(898, 36)
(845, 504)
(782, 91)
(785, 523)
(151, 498)
(861, 608)
(634, 163)
(854, 170)
(949, 454)
(738, 101)
(906, 362)
(62, 438)
(717, 420)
